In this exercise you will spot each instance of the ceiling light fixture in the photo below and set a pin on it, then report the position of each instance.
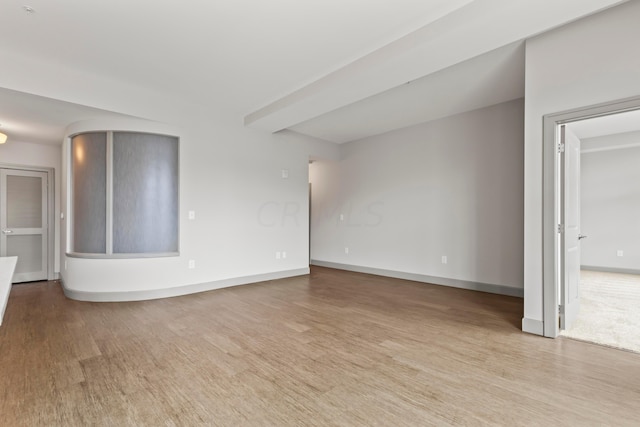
(3, 138)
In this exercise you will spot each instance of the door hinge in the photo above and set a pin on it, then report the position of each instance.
(560, 228)
(561, 147)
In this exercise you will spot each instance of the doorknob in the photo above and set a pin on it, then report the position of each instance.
(7, 231)
(581, 236)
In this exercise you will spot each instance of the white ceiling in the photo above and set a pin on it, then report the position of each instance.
(39, 120)
(628, 121)
(488, 79)
(283, 63)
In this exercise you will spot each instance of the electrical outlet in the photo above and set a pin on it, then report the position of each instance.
(444, 259)
(192, 214)
(341, 217)
(285, 173)
(284, 254)
(346, 250)
(620, 252)
(192, 263)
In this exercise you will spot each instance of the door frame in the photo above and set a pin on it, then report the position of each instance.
(552, 192)
(51, 224)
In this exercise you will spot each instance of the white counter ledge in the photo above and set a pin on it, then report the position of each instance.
(7, 266)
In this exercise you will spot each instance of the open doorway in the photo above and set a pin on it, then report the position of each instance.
(324, 185)
(609, 280)
(596, 281)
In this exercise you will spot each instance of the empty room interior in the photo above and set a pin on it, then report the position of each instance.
(320, 213)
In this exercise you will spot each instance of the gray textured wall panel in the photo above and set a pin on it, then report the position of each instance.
(145, 193)
(89, 159)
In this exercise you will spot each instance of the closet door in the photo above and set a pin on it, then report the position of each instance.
(23, 222)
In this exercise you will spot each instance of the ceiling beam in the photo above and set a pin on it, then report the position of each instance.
(472, 30)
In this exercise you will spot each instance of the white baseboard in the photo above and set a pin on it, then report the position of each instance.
(610, 269)
(178, 290)
(532, 326)
(443, 281)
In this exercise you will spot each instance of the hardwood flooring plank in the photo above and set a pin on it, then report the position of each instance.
(333, 348)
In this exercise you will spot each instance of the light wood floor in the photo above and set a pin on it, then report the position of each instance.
(332, 348)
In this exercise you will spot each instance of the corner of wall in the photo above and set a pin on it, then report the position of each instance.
(532, 326)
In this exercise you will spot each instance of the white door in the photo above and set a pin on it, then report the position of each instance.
(23, 222)
(570, 236)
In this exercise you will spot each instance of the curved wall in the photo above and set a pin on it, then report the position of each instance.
(111, 279)
(245, 212)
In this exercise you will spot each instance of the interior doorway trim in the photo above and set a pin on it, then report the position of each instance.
(551, 199)
(51, 226)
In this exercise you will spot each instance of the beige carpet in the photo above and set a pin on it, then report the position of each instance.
(609, 310)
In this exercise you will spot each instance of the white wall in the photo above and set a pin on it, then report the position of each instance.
(584, 63)
(610, 203)
(230, 175)
(18, 153)
(245, 213)
(449, 187)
